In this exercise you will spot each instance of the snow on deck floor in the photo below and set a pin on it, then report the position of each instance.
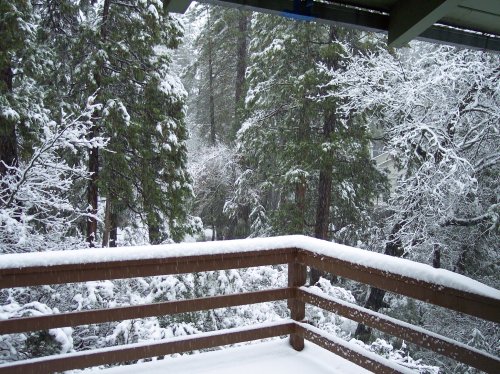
(276, 357)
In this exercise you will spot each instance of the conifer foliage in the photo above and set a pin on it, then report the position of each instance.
(312, 165)
(55, 57)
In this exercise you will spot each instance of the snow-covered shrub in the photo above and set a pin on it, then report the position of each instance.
(37, 343)
(400, 356)
(328, 321)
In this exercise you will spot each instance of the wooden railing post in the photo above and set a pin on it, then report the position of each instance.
(296, 278)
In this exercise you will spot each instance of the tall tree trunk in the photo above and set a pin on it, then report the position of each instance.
(113, 233)
(325, 173)
(211, 93)
(93, 164)
(154, 229)
(107, 223)
(324, 192)
(436, 260)
(303, 135)
(375, 300)
(8, 137)
(92, 191)
(8, 141)
(154, 234)
(300, 202)
(241, 66)
(113, 236)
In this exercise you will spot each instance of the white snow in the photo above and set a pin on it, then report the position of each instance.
(153, 11)
(354, 347)
(358, 256)
(171, 85)
(275, 357)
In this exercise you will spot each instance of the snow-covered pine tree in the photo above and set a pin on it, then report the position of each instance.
(123, 53)
(18, 32)
(40, 133)
(41, 165)
(292, 138)
(218, 72)
(215, 78)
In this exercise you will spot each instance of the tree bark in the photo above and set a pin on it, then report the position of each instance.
(241, 66)
(8, 142)
(107, 223)
(92, 191)
(211, 93)
(113, 236)
(375, 300)
(154, 232)
(436, 260)
(300, 202)
(325, 173)
(8, 137)
(113, 223)
(324, 193)
(93, 164)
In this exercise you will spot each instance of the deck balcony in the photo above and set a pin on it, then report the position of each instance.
(415, 280)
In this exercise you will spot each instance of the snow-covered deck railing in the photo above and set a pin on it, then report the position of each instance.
(401, 276)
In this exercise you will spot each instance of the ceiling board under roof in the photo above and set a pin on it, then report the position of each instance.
(469, 23)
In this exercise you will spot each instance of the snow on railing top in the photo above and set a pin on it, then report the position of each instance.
(353, 255)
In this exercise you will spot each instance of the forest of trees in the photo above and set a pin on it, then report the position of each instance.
(121, 124)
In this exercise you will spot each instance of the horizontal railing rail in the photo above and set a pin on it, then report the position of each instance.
(23, 324)
(120, 269)
(417, 335)
(474, 304)
(139, 351)
(437, 288)
(350, 352)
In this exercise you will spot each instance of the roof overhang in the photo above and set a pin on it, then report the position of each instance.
(469, 23)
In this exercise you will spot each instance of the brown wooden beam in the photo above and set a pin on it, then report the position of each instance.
(139, 351)
(56, 274)
(342, 350)
(16, 325)
(427, 339)
(473, 304)
(297, 274)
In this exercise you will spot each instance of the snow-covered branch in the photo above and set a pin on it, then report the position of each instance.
(35, 199)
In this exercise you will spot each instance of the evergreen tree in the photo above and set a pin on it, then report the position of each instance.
(126, 55)
(18, 33)
(39, 133)
(220, 70)
(310, 166)
(216, 81)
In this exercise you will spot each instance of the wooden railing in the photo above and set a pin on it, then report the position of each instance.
(70, 269)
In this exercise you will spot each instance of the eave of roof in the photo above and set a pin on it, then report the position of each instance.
(469, 23)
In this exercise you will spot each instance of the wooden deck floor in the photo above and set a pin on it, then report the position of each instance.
(273, 357)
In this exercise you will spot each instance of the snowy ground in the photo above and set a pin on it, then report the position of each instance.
(276, 357)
